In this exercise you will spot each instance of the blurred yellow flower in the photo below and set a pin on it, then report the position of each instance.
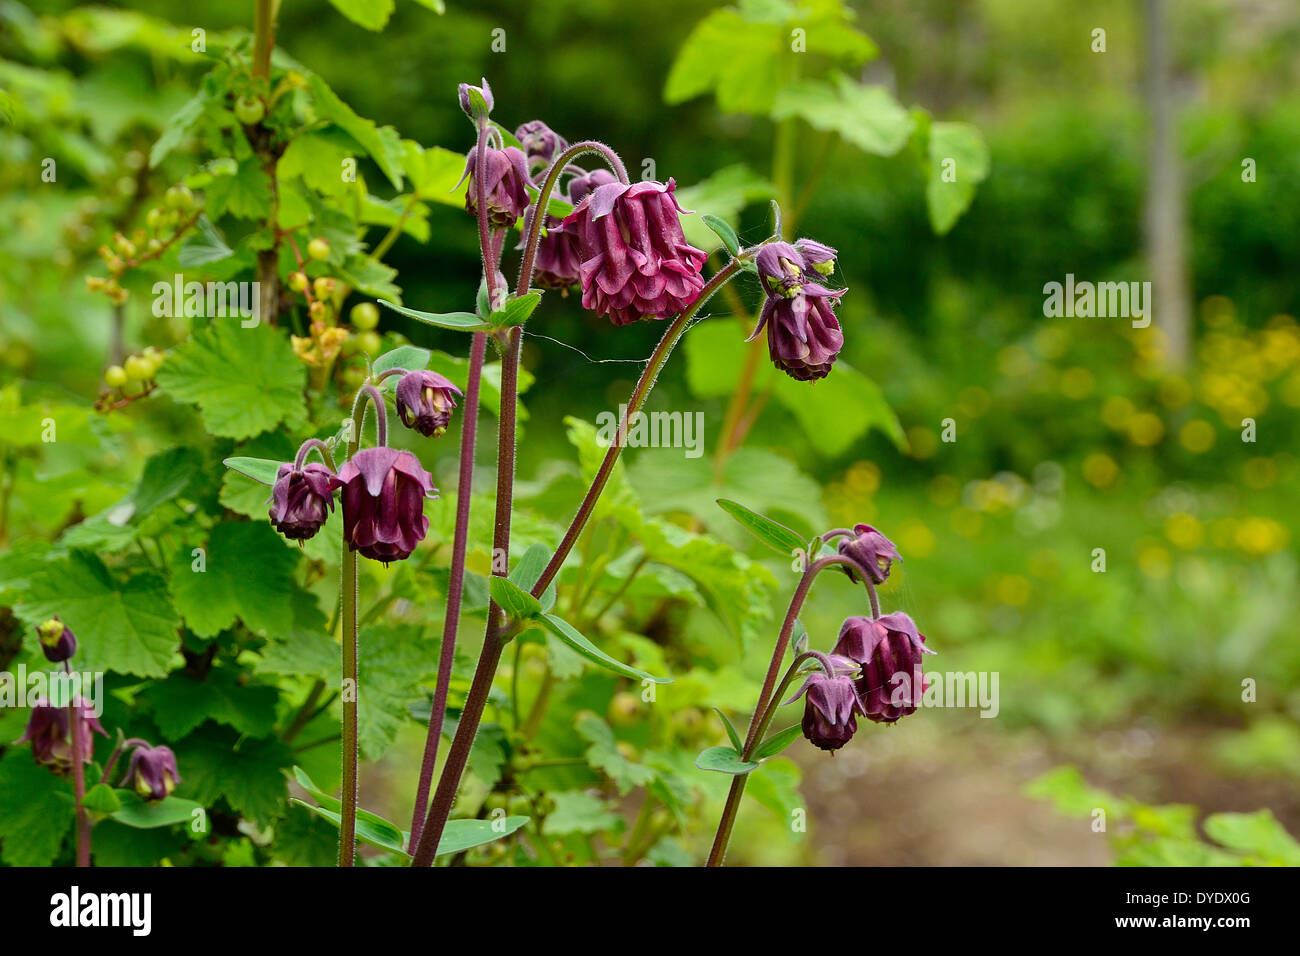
(1175, 392)
(1145, 429)
(1100, 470)
(1014, 361)
(915, 540)
(1077, 382)
(863, 478)
(1155, 561)
(1051, 342)
(1184, 531)
(1116, 411)
(1217, 311)
(973, 402)
(1197, 436)
(1256, 535)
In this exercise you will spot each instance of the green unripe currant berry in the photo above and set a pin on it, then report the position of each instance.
(180, 197)
(353, 377)
(370, 342)
(156, 219)
(319, 249)
(115, 376)
(298, 281)
(155, 357)
(138, 368)
(365, 316)
(249, 110)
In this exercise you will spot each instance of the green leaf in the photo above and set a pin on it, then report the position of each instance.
(259, 469)
(124, 626)
(245, 576)
(460, 321)
(248, 772)
(435, 173)
(570, 636)
(777, 742)
(461, 835)
(577, 811)
(207, 246)
(244, 380)
(392, 659)
(731, 730)
(181, 122)
(101, 799)
(1258, 834)
(723, 759)
(406, 357)
(529, 571)
(513, 599)
(245, 195)
(958, 160)
(772, 533)
(776, 787)
(36, 810)
(383, 144)
(166, 476)
(604, 755)
(516, 310)
(722, 229)
(146, 815)
(869, 117)
(371, 14)
(181, 703)
(370, 828)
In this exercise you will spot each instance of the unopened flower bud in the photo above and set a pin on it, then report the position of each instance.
(476, 101)
(425, 401)
(152, 772)
(871, 550)
(57, 640)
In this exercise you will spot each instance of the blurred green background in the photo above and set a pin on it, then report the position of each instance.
(1072, 434)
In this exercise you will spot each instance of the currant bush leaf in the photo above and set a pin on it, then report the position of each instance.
(246, 577)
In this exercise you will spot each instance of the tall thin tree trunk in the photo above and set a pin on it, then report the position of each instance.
(1165, 225)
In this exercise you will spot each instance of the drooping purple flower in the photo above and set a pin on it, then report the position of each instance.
(871, 550)
(889, 650)
(816, 256)
(383, 503)
(47, 732)
(636, 262)
(152, 772)
(803, 335)
(559, 260)
(780, 269)
(505, 182)
(57, 640)
(830, 705)
(541, 145)
(425, 401)
(302, 500)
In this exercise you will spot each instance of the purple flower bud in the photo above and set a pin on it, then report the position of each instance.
(302, 500)
(890, 650)
(152, 772)
(476, 101)
(383, 503)
(830, 706)
(584, 184)
(636, 263)
(47, 731)
(541, 145)
(803, 335)
(871, 550)
(780, 269)
(57, 640)
(817, 257)
(506, 178)
(425, 401)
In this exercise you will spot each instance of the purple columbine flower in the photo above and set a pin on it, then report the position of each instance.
(559, 260)
(541, 145)
(871, 550)
(506, 190)
(302, 500)
(803, 335)
(57, 640)
(47, 731)
(425, 401)
(383, 503)
(780, 269)
(817, 257)
(636, 262)
(830, 705)
(889, 650)
(152, 772)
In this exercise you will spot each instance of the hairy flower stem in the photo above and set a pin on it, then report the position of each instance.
(78, 780)
(348, 587)
(455, 587)
(489, 251)
(759, 721)
(653, 367)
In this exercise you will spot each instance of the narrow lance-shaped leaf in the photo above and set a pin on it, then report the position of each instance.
(460, 321)
(570, 636)
(772, 533)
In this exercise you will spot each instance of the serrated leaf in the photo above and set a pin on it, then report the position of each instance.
(216, 762)
(181, 703)
(382, 143)
(36, 810)
(207, 246)
(125, 626)
(577, 811)
(869, 117)
(723, 759)
(1258, 834)
(604, 755)
(245, 577)
(244, 380)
